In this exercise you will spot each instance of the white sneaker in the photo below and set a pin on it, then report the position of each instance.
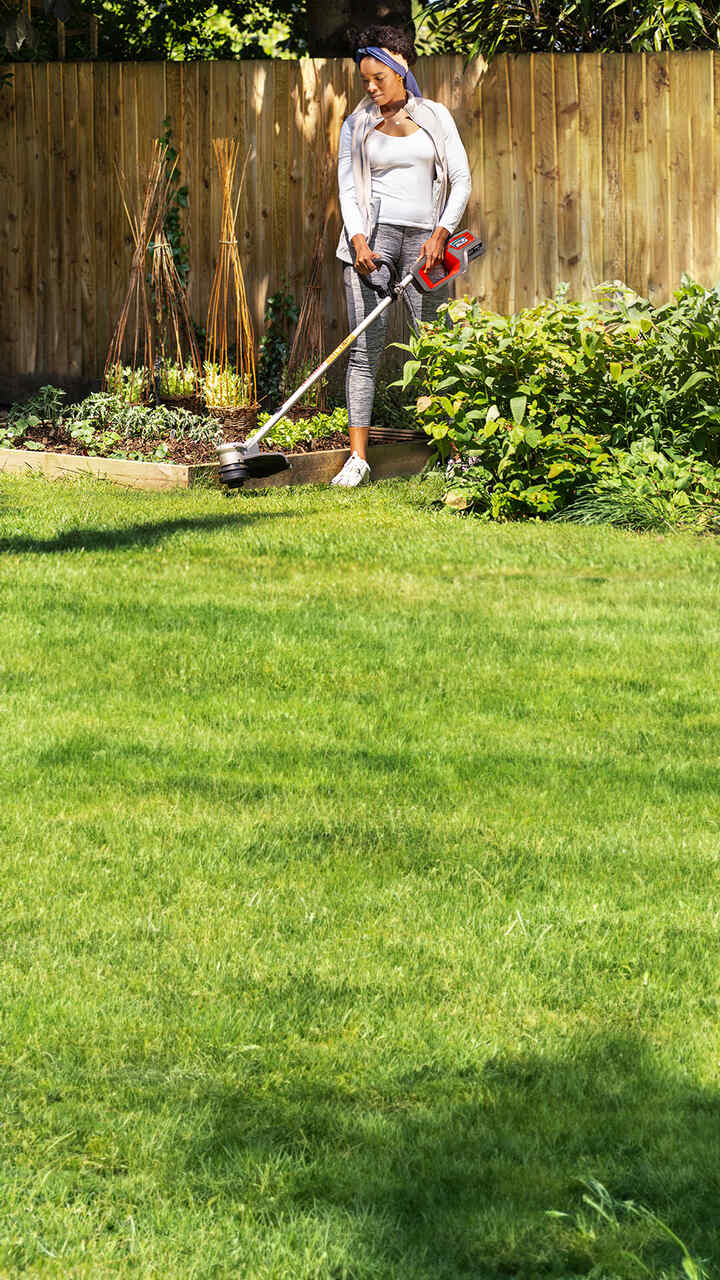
(356, 471)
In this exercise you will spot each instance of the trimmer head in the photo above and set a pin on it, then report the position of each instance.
(236, 467)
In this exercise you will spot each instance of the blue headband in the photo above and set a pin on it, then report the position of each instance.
(408, 78)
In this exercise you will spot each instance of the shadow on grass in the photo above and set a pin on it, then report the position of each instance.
(134, 535)
(434, 1176)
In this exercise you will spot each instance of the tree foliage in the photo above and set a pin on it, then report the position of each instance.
(488, 27)
(163, 30)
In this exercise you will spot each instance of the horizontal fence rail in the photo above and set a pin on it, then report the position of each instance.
(584, 167)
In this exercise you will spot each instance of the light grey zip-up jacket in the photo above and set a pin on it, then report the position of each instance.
(451, 188)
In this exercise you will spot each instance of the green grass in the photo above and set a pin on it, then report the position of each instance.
(360, 889)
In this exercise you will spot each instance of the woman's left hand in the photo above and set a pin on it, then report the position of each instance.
(434, 248)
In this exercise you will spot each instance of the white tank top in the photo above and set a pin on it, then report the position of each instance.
(402, 171)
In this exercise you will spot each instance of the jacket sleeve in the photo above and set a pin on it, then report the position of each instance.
(351, 214)
(458, 171)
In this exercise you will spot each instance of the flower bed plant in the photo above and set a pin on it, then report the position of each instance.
(105, 425)
(225, 388)
(536, 410)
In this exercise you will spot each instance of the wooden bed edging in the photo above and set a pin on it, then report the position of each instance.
(386, 460)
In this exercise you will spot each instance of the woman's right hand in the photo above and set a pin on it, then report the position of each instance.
(365, 260)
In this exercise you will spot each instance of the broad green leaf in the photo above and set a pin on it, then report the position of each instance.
(518, 405)
(698, 376)
(615, 371)
(410, 369)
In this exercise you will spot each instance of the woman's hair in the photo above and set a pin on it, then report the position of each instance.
(396, 39)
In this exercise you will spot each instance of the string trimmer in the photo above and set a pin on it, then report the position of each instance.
(242, 460)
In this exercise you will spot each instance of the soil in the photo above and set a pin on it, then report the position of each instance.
(56, 439)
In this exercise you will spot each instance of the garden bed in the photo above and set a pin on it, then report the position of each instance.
(56, 438)
(316, 466)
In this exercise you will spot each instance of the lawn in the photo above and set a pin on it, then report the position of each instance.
(360, 890)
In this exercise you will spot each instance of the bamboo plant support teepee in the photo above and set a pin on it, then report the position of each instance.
(164, 357)
(133, 380)
(230, 384)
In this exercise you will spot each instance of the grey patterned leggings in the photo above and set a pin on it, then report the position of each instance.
(402, 244)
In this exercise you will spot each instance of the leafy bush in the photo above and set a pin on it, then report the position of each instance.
(643, 489)
(540, 400)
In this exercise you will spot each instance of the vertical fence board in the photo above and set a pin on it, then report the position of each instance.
(85, 214)
(57, 350)
(700, 112)
(27, 284)
(568, 214)
(658, 177)
(9, 222)
(72, 235)
(120, 244)
(104, 178)
(590, 177)
(523, 172)
(188, 147)
(496, 191)
(635, 191)
(43, 216)
(613, 150)
(209, 228)
(546, 173)
(681, 192)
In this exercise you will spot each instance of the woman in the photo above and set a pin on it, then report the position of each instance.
(404, 183)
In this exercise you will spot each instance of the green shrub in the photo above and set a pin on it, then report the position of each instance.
(540, 400)
(640, 488)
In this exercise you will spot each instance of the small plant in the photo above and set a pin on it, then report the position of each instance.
(286, 434)
(100, 414)
(126, 384)
(226, 388)
(45, 405)
(177, 381)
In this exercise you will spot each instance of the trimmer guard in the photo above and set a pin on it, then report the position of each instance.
(460, 249)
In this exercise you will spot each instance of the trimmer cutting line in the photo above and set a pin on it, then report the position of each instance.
(242, 460)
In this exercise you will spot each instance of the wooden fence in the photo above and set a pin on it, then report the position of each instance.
(584, 168)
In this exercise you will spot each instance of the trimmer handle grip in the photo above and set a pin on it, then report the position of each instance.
(460, 249)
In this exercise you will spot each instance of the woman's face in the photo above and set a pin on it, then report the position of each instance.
(382, 83)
